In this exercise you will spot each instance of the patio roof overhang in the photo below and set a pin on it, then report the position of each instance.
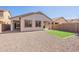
(15, 18)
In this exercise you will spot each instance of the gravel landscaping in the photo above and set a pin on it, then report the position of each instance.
(37, 41)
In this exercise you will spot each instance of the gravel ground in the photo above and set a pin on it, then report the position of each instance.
(38, 41)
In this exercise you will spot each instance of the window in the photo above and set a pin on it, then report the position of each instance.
(38, 23)
(52, 23)
(28, 23)
(56, 23)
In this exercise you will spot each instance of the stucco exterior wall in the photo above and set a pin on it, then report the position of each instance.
(34, 17)
(5, 19)
(33, 28)
(60, 21)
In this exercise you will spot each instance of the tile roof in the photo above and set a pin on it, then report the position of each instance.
(23, 15)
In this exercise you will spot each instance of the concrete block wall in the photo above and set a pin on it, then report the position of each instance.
(71, 27)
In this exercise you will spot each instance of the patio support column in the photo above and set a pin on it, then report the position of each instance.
(53, 25)
(33, 23)
(42, 24)
(0, 28)
(12, 26)
(22, 25)
(50, 25)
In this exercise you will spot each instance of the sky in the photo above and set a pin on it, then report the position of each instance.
(68, 12)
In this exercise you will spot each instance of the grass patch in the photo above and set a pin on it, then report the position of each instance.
(60, 34)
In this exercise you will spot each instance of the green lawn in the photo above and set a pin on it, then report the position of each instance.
(60, 34)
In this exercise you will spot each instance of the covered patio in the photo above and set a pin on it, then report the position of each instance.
(15, 25)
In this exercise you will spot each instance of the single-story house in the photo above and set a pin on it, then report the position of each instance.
(33, 22)
(59, 20)
(73, 20)
(30, 22)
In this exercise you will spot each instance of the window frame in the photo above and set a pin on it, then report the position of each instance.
(36, 24)
(28, 23)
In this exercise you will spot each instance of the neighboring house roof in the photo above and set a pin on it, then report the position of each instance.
(73, 20)
(60, 20)
(23, 15)
(69, 21)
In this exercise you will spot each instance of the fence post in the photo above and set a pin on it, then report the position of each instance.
(0, 28)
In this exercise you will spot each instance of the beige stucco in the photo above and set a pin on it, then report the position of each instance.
(33, 17)
(59, 20)
(5, 19)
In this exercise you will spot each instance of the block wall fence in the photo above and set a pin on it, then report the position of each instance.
(71, 27)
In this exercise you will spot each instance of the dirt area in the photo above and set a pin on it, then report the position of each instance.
(38, 41)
